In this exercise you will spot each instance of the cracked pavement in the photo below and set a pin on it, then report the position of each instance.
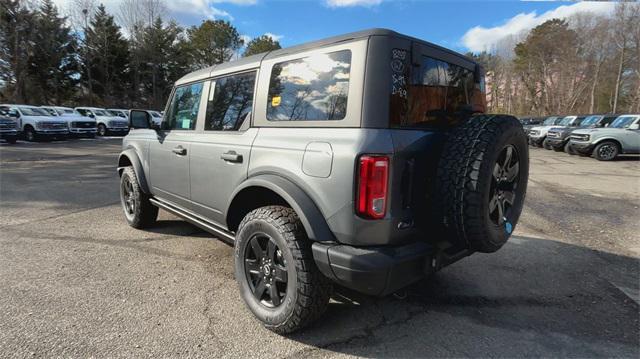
(76, 281)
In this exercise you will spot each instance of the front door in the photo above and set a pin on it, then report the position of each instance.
(220, 153)
(169, 153)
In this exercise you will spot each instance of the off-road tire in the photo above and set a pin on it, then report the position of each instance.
(569, 150)
(546, 145)
(465, 179)
(613, 150)
(307, 290)
(144, 213)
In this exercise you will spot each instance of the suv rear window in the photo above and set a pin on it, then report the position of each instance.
(439, 95)
(313, 88)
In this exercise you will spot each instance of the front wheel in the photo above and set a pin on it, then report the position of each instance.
(102, 130)
(275, 270)
(546, 145)
(568, 149)
(606, 151)
(12, 140)
(138, 210)
(30, 134)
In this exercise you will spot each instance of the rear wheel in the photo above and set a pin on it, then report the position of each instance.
(606, 151)
(275, 270)
(138, 210)
(482, 181)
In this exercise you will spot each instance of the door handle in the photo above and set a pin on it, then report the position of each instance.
(180, 151)
(231, 156)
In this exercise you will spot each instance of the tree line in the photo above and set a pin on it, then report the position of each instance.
(88, 56)
(585, 64)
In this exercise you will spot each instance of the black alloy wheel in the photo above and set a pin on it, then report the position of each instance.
(503, 185)
(128, 197)
(266, 270)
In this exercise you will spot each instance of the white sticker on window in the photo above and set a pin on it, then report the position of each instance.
(186, 123)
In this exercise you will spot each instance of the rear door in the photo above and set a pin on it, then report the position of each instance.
(220, 153)
(169, 153)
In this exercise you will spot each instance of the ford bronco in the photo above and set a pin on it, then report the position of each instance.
(605, 144)
(363, 160)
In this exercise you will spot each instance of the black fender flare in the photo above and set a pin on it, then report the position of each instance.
(312, 219)
(133, 158)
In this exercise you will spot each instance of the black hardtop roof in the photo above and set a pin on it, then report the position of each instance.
(311, 45)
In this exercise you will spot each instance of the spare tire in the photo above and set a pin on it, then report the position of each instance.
(482, 181)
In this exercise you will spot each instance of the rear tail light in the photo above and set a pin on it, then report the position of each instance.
(373, 176)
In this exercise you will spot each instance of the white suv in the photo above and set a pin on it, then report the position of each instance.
(78, 125)
(106, 122)
(36, 123)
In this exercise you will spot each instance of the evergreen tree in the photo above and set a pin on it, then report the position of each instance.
(213, 42)
(54, 62)
(106, 56)
(261, 44)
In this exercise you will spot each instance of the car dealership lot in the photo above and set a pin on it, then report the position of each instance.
(77, 281)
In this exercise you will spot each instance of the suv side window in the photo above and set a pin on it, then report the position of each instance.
(230, 102)
(313, 88)
(183, 110)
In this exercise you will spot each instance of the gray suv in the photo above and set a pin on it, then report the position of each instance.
(363, 160)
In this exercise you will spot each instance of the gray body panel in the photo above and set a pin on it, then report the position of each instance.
(310, 164)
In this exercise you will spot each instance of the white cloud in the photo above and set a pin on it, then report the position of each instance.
(198, 8)
(481, 38)
(350, 3)
(273, 37)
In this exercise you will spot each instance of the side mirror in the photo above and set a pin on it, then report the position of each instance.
(140, 119)
(635, 126)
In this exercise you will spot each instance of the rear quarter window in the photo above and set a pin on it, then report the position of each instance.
(313, 88)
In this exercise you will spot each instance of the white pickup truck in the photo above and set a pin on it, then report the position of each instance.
(78, 125)
(106, 122)
(36, 123)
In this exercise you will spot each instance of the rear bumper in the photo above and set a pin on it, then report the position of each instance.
(374, 270)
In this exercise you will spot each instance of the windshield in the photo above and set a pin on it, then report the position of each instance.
(100, 113)
(623, 122)
(591, 120)
(567, 120)
(155, 114)
(67, 111)
(51, 111)
(33, 111)
(549, 121)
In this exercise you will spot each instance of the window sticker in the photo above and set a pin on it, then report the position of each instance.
(275, 101)
(186, 123)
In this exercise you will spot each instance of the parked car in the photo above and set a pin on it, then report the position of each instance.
(558, 138)
(156, 116)
(530, 122)
(36, 123)
(119, 112)
(105, 121)
(553, 135)
(605, 144)
(330, 162)
(8, 128)
(538, 134)
(79, 126)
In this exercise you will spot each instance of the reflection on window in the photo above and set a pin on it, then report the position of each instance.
(440, 95)
(314, 88)
(184, 107)
(230, 103)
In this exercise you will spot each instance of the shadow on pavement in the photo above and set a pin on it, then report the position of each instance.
(533, 298)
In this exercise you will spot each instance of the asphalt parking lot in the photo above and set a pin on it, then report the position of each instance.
(76, 281)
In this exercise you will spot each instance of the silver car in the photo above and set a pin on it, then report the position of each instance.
(363, 160)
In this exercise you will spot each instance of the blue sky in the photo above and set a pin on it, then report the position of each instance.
(460, 25)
